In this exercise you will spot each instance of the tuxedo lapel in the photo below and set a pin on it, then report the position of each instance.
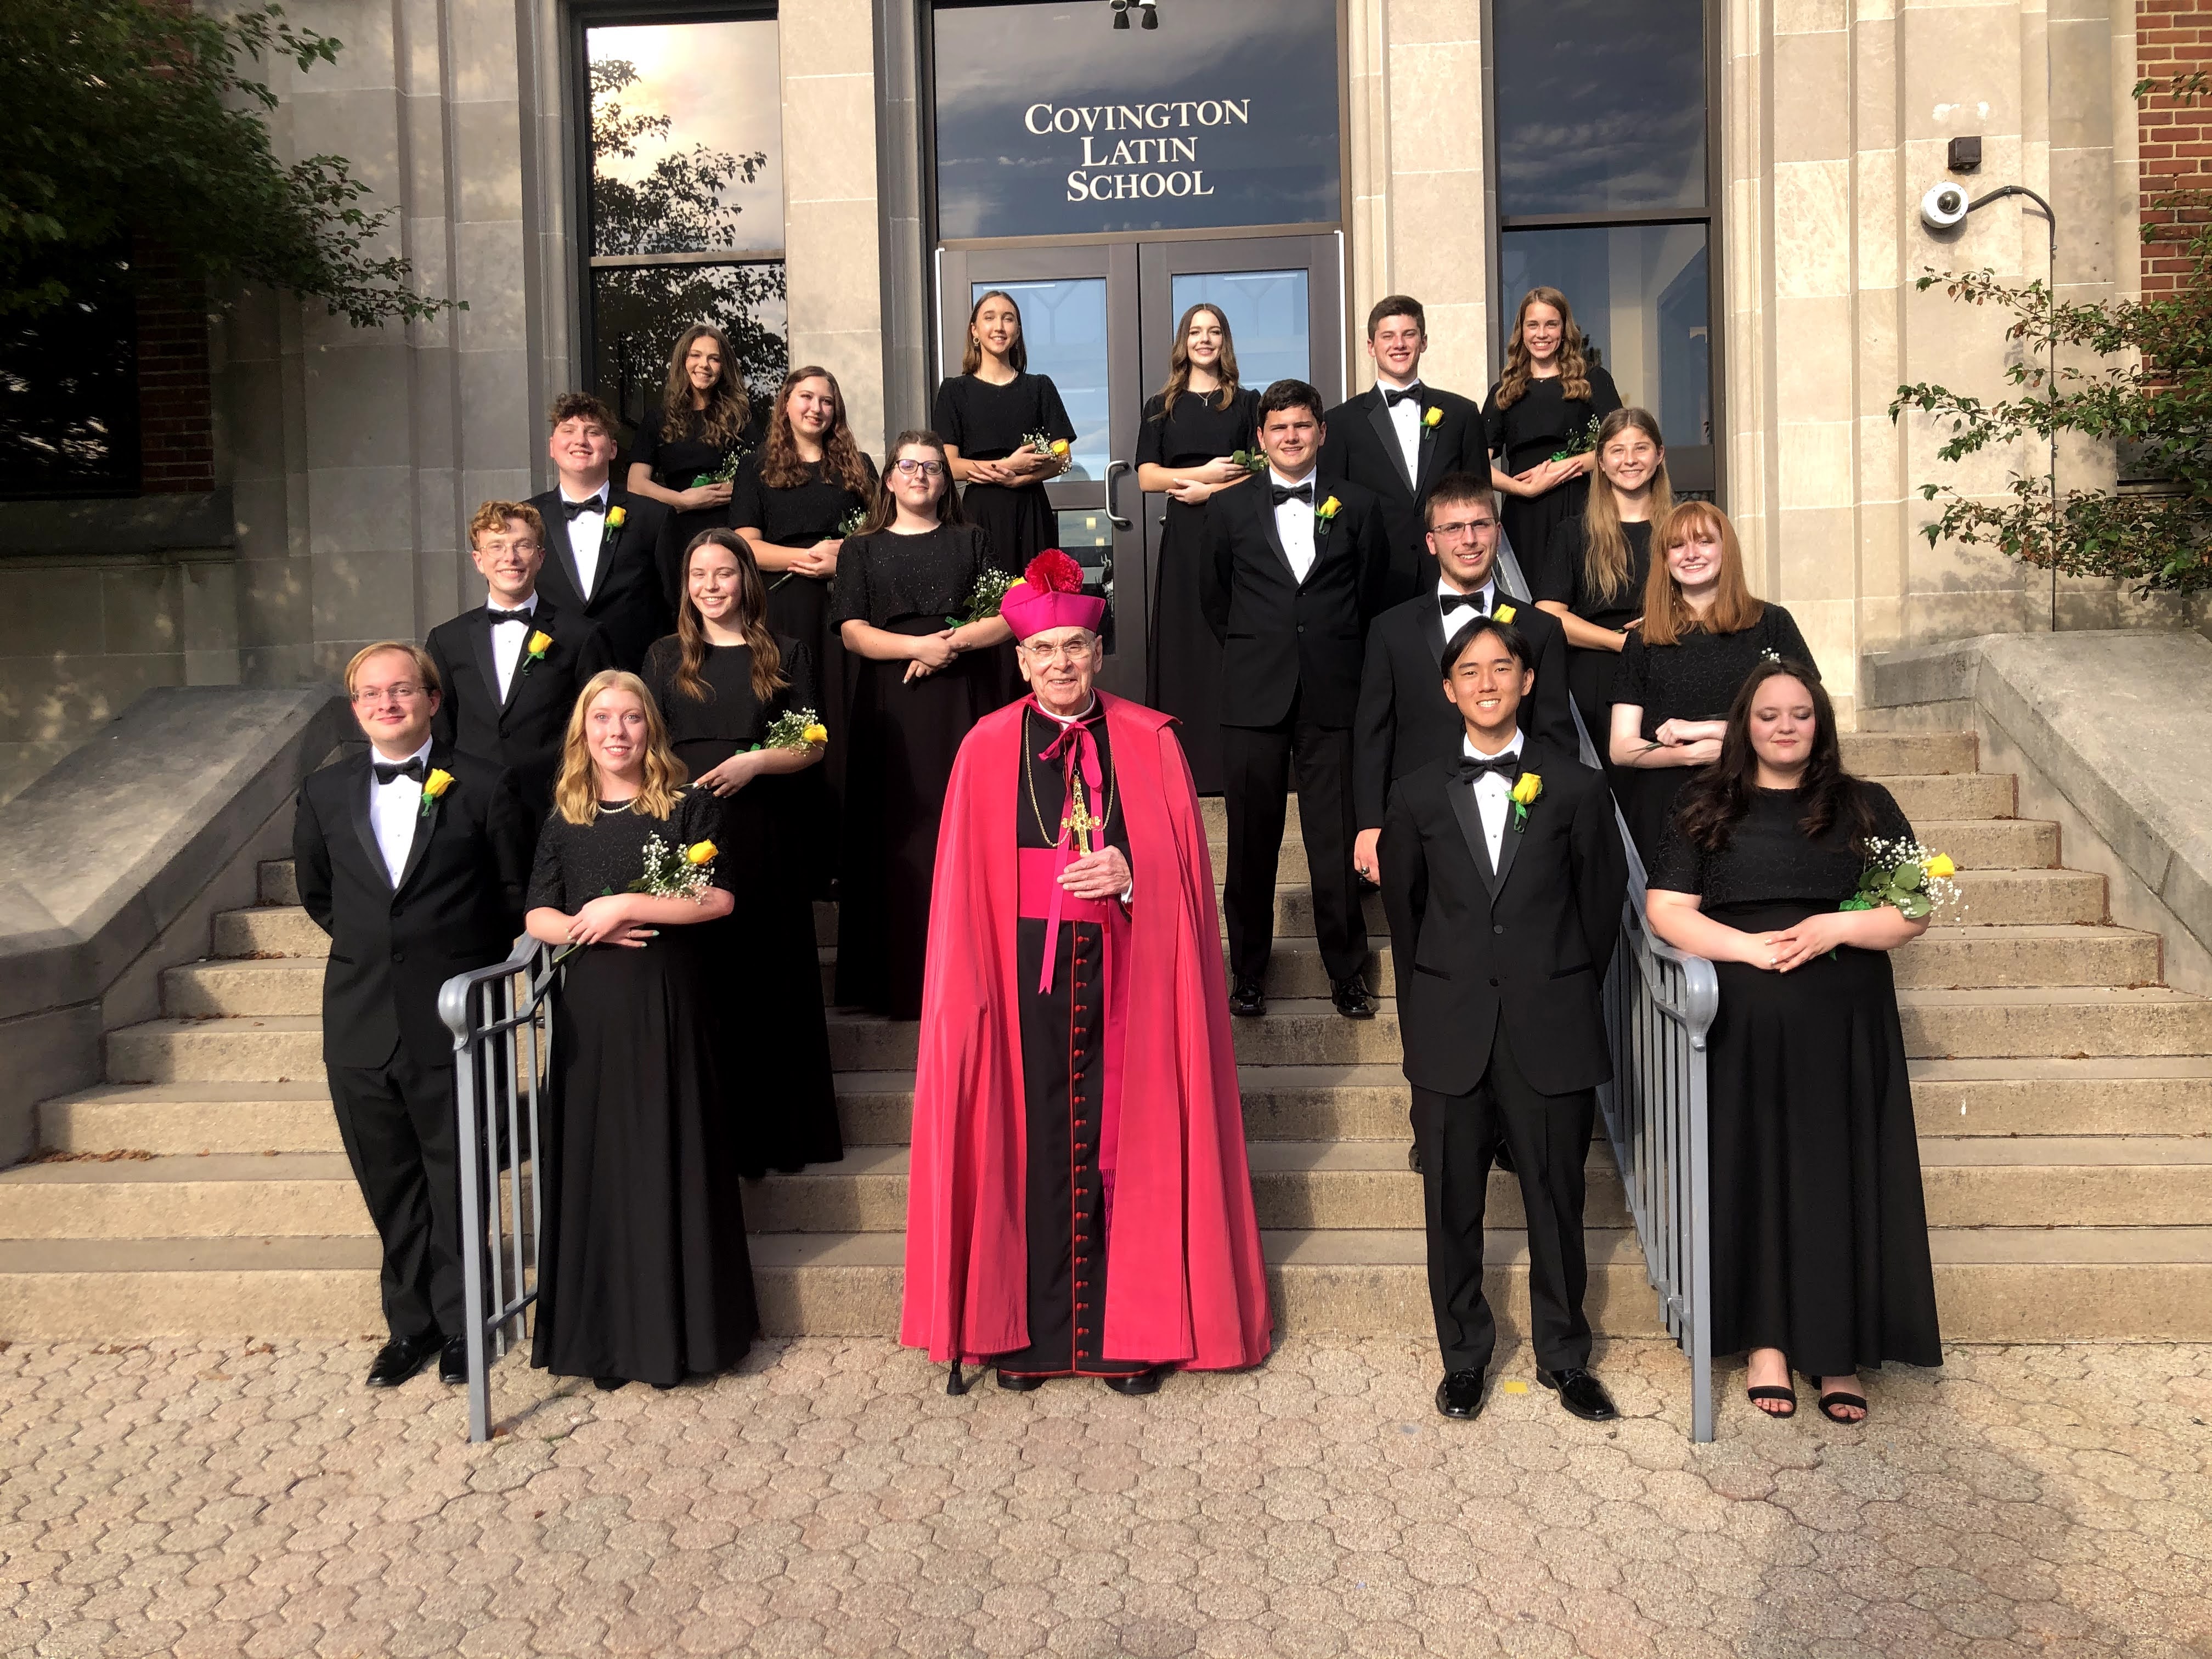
(556, 531)
(1266, 510)
(360, 783)
(542, 621)
(1470, 826)
(1433, 630)
(1428, 446)
(426, 824)
(1509, 844)
(1378, 417)
(480, 645)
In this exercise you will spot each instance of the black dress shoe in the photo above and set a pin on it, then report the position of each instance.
(1246, 1001)
(1413, 1157)
(1138, 1383)
(1459, 1396)
(1580, 1393)
(1014, 1383)
(453, 1361)
(1351, 998)
(401, 1358)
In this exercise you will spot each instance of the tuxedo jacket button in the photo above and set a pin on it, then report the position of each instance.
(1493, 984)
(1497, 928)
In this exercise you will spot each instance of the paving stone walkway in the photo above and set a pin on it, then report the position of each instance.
(198, 1499)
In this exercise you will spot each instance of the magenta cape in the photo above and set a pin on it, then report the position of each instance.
(1185, 1281)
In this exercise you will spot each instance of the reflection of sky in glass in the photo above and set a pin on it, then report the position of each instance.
(1639, 294)
(1268, 319)
(1064, 326)
(720, 86)
(1601, 105)
(1086, 535)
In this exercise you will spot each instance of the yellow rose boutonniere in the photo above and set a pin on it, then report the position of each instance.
(434, 787)
(1526, 789)
(699, 852)
(1325, 515)
(1432, 418)
(616, 517)
(535, 647)
(1505, 613)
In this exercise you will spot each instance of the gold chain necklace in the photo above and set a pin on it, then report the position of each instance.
(1029, 777)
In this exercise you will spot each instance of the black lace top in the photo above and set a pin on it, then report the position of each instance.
(887, 579)
(1541, 420)
(705, 732)
(1696, 677)
(1769, 860)
(797, 516)
(1560, 578)
(986, 422)
(1195, 432)
(578, 862)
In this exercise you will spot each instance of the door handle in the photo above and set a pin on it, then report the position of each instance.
(1112, 517)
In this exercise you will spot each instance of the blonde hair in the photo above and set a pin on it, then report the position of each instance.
(1574, 366)
(492, 517)
(1605, 544)
(1178, 379)
(1666, 614)
(576, 796)
(415, 653)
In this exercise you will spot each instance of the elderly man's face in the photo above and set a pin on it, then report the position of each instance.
(1059, 665)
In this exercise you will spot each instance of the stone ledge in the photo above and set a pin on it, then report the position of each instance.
(2117, 722)
(130, 525)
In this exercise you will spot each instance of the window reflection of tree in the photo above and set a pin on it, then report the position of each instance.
(677, 208)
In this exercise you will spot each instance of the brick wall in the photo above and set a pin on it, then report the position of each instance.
(176, 425)
(2173, 37)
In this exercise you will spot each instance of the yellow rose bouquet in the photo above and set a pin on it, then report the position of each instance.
(795, 728)
(1905, 876)
(684, 872)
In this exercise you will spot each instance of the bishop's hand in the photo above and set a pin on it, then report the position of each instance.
(1101, 875)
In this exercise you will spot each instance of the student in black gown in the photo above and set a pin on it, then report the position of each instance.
(984, 413)
(721, 680)
(702, 422)
(1540, 406)
(1820, 1248)
(1192, 425)
(1593, 575)
(916, 684)
(1703, 633)
(795, 495)
(643, 1274)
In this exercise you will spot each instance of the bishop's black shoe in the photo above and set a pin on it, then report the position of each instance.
(1413, 1157)
(1247, 1000)
(1459, 1396)
(401, 1358)
(453, 1361)
(1138, 1383)
(1581, 1392)
(1013, 1383)
(1351, 998)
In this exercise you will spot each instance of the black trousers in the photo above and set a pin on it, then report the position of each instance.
(1259, 762)
(397, 1121)
(1549, 1137)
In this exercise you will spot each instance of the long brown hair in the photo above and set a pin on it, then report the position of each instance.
(1714, 802)
(576, 796)
(842, 461)
(1178, 379)
(723, 420)
(1666, 614)
(691, 642)
(1574, 364)
(884, 510)
(1605, 544)
(1017, 355)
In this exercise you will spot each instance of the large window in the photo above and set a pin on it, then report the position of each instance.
(1605, 192)
(68, 389)
(686, 199)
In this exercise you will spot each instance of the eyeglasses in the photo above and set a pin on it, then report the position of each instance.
(1458, 528)
(919, 469)
(369, 696)
(1073, 650)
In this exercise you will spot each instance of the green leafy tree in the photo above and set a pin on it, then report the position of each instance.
(2148, 396)
(146, 119)
(678, 206)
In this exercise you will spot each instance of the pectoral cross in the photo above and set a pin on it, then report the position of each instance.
(1077, 817)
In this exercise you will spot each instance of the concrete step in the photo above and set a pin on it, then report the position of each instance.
(2073, 1284)
(191, 1118)
(1996, 898)
(222, 1196)
(2159, 1095)
(2070, 1181)
(2071, 1022)
(272, 930)
(1290, 866)
(1295, 1031)
(278, 1048)
(1992, 843)
(1947, 798)
(234, 988)
(1874, 754)
(2029, 954)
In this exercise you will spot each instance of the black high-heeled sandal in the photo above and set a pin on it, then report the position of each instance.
(1835, 1397)
(1769, 1391)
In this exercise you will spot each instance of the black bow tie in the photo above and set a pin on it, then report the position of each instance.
(577, 510)
(499, 615)
(1452, 602)
(1393, 395)
(1293, 492)
(386, 771)
(1467, 768)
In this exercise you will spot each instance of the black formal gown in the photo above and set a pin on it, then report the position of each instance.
(1819, 1229)
(1560, 578)
(986, 422)
(643, 1272)
(1182, 674)
(1537, 424)
(768, 982)
(1696, 679)
(799, 515)
(680, 453)
(903, 735)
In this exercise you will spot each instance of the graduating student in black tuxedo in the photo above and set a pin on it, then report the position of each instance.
(1405, 720)
(605, 555)
(1503, 877)
(414, 857)
(1294, 570)
(512, 666)
(1401, 436)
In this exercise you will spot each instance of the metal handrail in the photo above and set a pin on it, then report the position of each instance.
(501, 1020)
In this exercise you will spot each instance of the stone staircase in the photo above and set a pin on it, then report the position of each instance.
(2064, 1098)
